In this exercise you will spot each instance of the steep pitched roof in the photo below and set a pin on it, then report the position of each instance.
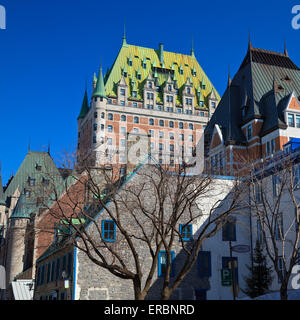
(171, 65)
(24, 208)
(30, 168)
(100, 88)
(84, 107)
(253, 84)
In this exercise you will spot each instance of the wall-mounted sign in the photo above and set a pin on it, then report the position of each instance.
(241, 248)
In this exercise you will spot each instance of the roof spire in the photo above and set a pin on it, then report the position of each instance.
(100, 88)
(124, 36)
(29, 145)
(285, 49)
(249, 43)
(49, 147)
(192, 50)
(229, 78)
(85, 106)
(2, 201)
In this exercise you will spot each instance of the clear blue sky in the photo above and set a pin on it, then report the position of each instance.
(50, 48)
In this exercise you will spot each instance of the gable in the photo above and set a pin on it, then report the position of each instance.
(294, 104)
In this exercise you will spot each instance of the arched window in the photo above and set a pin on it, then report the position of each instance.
(161, 123)
(191, 127)
(102, 115)
(171, 124)
(180, 125)
(110, 116)
(151, 122)
(136, 120)
(123, 118)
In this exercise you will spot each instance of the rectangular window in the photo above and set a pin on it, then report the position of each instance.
(163, 263)
(161, 147)
(249, 132)
(191, 138)
(268, 148)
(110, 129)
(171, 147)
(273, 146)
(48, 272)
(171, 135)
(291, 120)
(298, 121)
(58, 269)
(123, 130)
(280, 267)
(70, 264)
(279, 226)
(229, 231)
(122, 91)
(258, 192)
(276, 185)
(108, 230)
(259, 232)
(161, 135)
(296, 176)
(204, 263)
(186, 232)
(52, 271)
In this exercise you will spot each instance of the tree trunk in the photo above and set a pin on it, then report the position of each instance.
(138, 293)
(283, 292)
(165, 294)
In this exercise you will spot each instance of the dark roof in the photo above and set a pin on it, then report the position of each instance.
(264, 82)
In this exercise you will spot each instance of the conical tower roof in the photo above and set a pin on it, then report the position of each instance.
(100, 88)
(2, 200)
(85, 106)
(23, 209)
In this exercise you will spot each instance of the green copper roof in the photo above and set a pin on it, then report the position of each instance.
(172, 62)
(100, 89)
(84, 107)
(2, 199)
(23, 209)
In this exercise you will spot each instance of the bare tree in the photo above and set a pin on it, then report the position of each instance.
(146, 211)
(274, 201)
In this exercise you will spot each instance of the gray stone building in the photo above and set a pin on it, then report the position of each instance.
(90, 281)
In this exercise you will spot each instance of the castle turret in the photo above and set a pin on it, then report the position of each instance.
(99, 101)
(16, 239)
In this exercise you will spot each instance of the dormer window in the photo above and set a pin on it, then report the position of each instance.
(213, 105)
(125, 74)
(188, 90)
(134, 94)
(201, 103)
(130, 63)
(169, 87)
(122, 92)
(139, 77)
(150, 85)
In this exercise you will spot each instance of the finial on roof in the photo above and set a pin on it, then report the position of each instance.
(49, 147)
(29, 145)
(192, 50)
(124, 36)
(229, 78)
(249, 43)
(285, 49)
